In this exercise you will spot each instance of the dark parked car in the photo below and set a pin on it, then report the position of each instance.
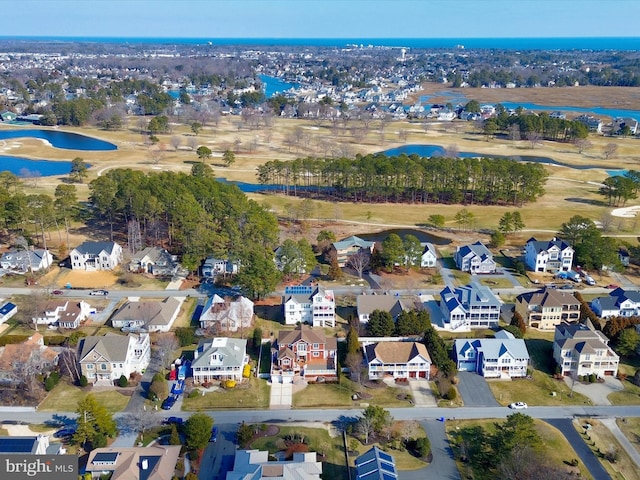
(57, 292)
(169, 402)
(172, 420)
(64, 433)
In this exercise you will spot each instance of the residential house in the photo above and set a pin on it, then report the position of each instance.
(218, 359)
(22, 261)
(93, 256)
(475, 258)
(397, 360)
(592, 123)
(32, 352)
(157, 462)
(501, 357)
(429, 256)
(7, 311)
(468, 307)
(367, 304)
(147, 315)
(227, 315)
(64, 313)
(30, 445)
(374, 464)
(303, 352)
(308, 304)
(624, 257)
(619, 124)
(350, 246)
(154, 260)
(619, 303)
(213, 267)
(255, 464)
(547, 308)
(104, 359)
(579, 349)
(548, 256)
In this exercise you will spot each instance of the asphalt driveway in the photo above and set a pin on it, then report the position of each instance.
(442, 466)
(474, 391)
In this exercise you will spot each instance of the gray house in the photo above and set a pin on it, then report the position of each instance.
(475, 258)
(501, 357)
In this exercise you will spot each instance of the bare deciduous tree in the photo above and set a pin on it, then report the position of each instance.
(582, 144)
(176, 141)
(610, 150)
(534, 139)
(359, 262)
(164, 347)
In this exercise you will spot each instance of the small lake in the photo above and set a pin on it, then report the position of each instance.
(65, 140)
(23, 167)
(438, 151)
(607, 112)
(403, 232)
(274, 85)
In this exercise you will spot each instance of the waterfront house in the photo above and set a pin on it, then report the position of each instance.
(548, 255)
(218, 359)
(93, 256)
(104, 359)
(619, 303)
(579, 349)
(429, 256)
(503, 356)
(397, 360)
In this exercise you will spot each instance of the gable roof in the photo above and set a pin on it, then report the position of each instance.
(306, 334)
(548, 297)
(478, 249)
(154, 312)
(230, 351)
(543, 245)
(387, 303)
(375, 464)
(96, 248)
(492, 347)
(217, 309)
(112, 347)
(353, 241)
(396, 352)
(140, 463)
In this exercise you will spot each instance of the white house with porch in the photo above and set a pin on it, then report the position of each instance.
(93, 256)
(397, 360)
(501, 357)
(219, 358)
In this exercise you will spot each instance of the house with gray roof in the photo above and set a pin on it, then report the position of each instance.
(475, 258)
(308, 304)
(367, 304)
(155, 261)
(619, 303)
(219, 358)
(374, 464)
(503, 356)
(429, 256)
(350, 246)
(469, 307)
(147, 315)
(255, 464)
(21, 261)
(226, 314)
(94, 256)
(579, 349)
(104, 359)
(548, 255)
(157, 462)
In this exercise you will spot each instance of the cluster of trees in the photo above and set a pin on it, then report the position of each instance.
(397, 251)
(408, 322)
(621, 188)
(296, 257)
(95, 425)
(592, 249)
(623, 334)
(374, 421)
(439, 352)
(410, 178)
(534, 127)
(196, 216)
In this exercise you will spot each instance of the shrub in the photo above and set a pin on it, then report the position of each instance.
(51, 381)
(194, 393)
(229, 383)
(575, 462)
(592, 378)
(452, 393)
(186, 336)
(82, 381)
(99, 440)
(158, 388)
(122, 381)
(75, 337)
(54, 340)
(423, 446)
(246, 371)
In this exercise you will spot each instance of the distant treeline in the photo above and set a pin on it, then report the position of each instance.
(409, 179)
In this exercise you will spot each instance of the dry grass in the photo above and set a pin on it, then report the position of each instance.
(630, 426)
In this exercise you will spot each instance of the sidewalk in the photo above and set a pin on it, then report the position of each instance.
(611, 424)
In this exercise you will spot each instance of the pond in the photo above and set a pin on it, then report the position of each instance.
(23, 167)
(65, 140)
(403, 232)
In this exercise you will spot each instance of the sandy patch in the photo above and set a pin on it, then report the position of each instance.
(626, 212)
(80, 278)
(24, 431)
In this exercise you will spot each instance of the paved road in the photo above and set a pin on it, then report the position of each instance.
(587, 457)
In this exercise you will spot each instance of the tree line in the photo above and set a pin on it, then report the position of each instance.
(405, 178)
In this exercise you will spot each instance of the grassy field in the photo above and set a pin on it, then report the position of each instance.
(332, 395)
(334, 462)
(254, 396)
(602, 441)
(631, 428)
(65, 398)
(555, 448)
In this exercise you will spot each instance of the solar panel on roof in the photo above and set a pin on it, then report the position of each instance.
(105, 457)
(386, 476)
(385, 456)
(16, 445)
(298, 290)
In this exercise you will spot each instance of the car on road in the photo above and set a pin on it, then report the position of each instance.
(64, 433)
(517, 406)
(99, 292)
(214, 435)
(567, 287)
(169, 402)
(57, 292)
(173, 420)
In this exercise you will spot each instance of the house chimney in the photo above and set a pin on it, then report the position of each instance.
(145, 464)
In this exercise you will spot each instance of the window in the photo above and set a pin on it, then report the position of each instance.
(103, 366)
(316, 354)
(90, 366)
(316, 346)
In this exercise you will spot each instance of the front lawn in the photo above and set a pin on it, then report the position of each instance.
(256, 395)
(318, 440)
(340, 395)
(629, 396)
(65, 397)
(536, 391)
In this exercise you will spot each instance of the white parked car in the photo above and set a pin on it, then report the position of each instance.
(518, 405)
(99, 292)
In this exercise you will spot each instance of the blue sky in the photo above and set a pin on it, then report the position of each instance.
(210, 19)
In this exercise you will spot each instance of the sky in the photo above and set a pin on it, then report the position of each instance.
(211, 19)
